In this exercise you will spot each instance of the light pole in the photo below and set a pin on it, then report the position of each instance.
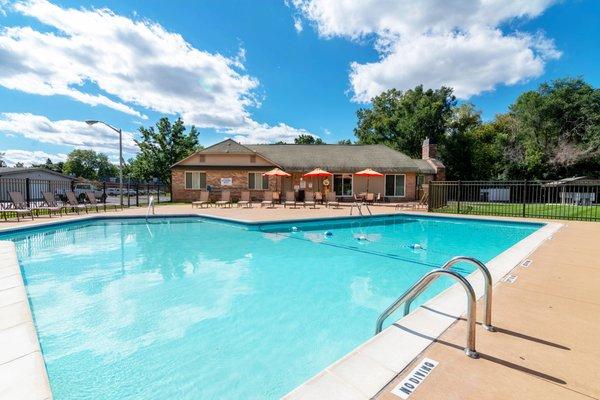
(92, 122)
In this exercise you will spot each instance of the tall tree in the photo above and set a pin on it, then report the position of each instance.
(308, 139)
(56, 167)
(89, 165)
(402, 120)
(162, 147)
(344, 141)
(2, 162)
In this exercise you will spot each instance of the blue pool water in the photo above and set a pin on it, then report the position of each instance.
(189, 308)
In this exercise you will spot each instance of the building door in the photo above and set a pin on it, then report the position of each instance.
(342, 184)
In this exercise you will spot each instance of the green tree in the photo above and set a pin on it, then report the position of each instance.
(161, 147)
(19, 165)
(402, 120)
(89, 165)
(459, 146)
(308, 139)
(2, 162)
(56, 167)
(345, 141)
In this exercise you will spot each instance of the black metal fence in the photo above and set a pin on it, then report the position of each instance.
(566, 199)
(134, 194)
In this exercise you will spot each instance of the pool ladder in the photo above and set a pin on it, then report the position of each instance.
(408, 297)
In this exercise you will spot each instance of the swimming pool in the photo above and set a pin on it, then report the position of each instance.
(197, 308)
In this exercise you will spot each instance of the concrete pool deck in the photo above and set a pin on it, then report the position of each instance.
(545, 347)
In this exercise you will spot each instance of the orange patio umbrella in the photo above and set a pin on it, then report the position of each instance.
(276, 172)
(368, 173)
(317, 173)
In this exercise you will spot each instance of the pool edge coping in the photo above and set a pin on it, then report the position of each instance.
(370, 367)
(330, 380)
(22, 363)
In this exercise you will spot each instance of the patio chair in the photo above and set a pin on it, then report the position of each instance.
(309, 199)
(74, 203)
(290, 199)
(94, 202)
(52, 204)
(331, 200)
(245, 199)
(225, 199)
(19, 206)
(276, 198)
(319, 197)
(267, 200)
(370, 198)
(204, 195)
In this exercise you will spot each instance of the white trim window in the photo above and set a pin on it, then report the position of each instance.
(256, 181)
(343, 184)
(395, 185)
(195, 180)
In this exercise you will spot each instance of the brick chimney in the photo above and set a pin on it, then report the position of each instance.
(429, 149)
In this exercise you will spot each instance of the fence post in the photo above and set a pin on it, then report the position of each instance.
(429, 195)
(148, 192)
(158, 193)
(524, 197)
(128, 194)
(458, 198)
(137, 194)
(27, 192)
(104, 196)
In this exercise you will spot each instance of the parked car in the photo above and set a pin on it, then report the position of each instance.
(80, 188)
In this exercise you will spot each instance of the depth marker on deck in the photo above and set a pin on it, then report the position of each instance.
(412, 381)
(510, 278)
(526, 263)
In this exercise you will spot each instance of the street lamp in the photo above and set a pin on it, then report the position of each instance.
(91, 122)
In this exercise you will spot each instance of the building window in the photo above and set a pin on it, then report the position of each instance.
(342, 184)
(257, 181)
(252, 159)
(201, 158)
(395, 185)
(195, 180)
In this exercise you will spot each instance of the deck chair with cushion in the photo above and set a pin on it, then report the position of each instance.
(204, 195)
(319, 197)
(267, 200)
(94, 202)
(225, 199)
(19, 206)
(52, 204)
(370, 198)
(74, 203)
(276, 198)
(290, 199)
(245, 199)
(331, 200)
(309, 199)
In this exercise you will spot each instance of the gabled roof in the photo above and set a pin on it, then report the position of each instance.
(227, 146)
(16, 170)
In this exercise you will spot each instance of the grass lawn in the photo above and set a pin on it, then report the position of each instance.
(561, 211)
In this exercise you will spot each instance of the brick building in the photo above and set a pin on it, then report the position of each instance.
(236, 167)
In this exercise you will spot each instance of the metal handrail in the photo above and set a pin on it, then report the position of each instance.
(487, 288)
(421, 285)
(150, 207)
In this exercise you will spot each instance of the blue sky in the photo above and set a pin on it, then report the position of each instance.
(269, 70)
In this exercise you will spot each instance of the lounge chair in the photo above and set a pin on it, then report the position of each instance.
(267, 200)
(290, 199)
(74, 203)
(331, 200)
(94, 203)
(319, 197)
(204, 195)
(52, 204)
(370, 198)
(245, 199)
(19, 206)
(309, 199)
(276, 198)
(225, 199)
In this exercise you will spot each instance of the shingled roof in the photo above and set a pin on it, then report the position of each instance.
(332, 157)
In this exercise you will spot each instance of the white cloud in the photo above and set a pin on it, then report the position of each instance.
(457, 43)
(133, 63)
(66, 132)
(11, 157)
(298, 26)
(254, 132)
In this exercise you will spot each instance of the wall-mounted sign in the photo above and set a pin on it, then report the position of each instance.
(226, 181)
(410, 383)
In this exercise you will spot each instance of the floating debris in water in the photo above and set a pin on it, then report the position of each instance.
(294, 229)
(416, 246)
(328, 233)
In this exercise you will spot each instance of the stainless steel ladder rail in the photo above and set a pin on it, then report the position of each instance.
(487, 288)
(421, 285)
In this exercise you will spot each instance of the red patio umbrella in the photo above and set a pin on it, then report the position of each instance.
(317, 173)
(276, 172)
(368, 173)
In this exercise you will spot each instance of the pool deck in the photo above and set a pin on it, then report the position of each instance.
(545, 346)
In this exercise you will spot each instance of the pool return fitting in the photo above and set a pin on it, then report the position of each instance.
(408, 297)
